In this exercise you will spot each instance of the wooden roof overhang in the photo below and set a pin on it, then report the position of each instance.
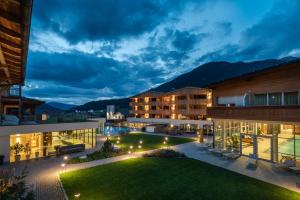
(15, 19)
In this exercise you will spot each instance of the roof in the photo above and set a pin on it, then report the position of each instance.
(15, 18)
(254, 73)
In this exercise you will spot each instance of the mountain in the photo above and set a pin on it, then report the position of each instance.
(217, 71)
(61, 106)
(121, 104)
(47, 109)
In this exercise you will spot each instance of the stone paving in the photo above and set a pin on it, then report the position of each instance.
(43, 174)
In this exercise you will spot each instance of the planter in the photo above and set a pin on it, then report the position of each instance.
(17, 158)
(27, 157)
(2, 159)
(37, 155)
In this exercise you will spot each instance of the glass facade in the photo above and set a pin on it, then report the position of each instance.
(269, 141)
(45, 144)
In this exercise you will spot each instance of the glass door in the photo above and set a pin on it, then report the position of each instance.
(264, 148)
(247, 144)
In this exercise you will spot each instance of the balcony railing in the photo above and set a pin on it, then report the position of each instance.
(263, 113)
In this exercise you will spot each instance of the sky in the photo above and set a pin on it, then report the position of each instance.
(88, 50)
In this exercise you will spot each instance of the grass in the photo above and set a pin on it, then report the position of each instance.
(133, 139)
(167, 178)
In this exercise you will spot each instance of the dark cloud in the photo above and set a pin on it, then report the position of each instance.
(81, 71)
(185, 40)
(275, 35)
(79, 20)
(225, 27)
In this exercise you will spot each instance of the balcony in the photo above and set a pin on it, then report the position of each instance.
(262, 113)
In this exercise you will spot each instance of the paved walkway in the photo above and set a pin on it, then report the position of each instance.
(43, 174)
(264, 171)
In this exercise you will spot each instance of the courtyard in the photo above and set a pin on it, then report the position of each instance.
(167, 178)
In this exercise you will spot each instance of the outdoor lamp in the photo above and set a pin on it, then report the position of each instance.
(131, 147)
(140, 146)
(118, 142)
(66, 158)
(77, 195)
(129, 152)
(166, 138)
(141, 141)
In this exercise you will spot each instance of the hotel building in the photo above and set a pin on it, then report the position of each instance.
(18, 123)
(185, 107)
(259, 113)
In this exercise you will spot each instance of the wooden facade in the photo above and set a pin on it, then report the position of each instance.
(185, 103)
(280, 80)
(15, 18)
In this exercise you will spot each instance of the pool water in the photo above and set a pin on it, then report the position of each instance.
(115, 130)
(288, 147)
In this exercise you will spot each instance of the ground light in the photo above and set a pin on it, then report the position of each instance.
(119, 138)
(166, 138)
(118, 141)
(131, 147)
(141, 141)
(66, 158)
(129, 152)
(140, 146)
(77, 195)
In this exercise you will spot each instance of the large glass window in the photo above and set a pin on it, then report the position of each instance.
(260, 99)
(286, 141)
(275, 99)
(290, 98)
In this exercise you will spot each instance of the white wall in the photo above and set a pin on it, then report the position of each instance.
(5, 147)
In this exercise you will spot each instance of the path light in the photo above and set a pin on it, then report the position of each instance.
(129, 152)
(118, 141)
(119, 138)
(77, 195)
(166, 138)
(131, 147)
(141, 141)
(63, 165)
(165, 142)
(66, 158)
(140, 146)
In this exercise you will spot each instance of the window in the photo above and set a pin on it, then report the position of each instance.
(275, 99)
(290, 98)
(198, 96)
(182, 97)
(260, 99)
(197, 107)
(181, 107)
(166, 108)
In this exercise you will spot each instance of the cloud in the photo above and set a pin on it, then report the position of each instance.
(276, 35)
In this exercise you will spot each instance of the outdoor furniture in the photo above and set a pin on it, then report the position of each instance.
(252, 161)
(231, 155)
(51, 153)
(204, 146)
(215, 151)
(61, 150)
(286, 163)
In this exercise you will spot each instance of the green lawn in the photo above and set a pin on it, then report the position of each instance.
(133, 139)
(149, 141)
(167, 178)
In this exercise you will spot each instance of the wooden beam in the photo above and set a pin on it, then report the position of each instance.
(9, 60)
(9, 43)
(10, 32)
(12, 58)
(7, 51)
(2, 59)
(9, 17)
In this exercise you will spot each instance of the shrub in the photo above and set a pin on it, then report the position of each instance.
(165, 153)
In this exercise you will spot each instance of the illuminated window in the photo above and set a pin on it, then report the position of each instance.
(146, 107)
(209, 105)
(146, 99)
(209, 95)
(173, 97)
(135, 108)
(146, 115)
(173, 116)
(173, 107)
(135, 100)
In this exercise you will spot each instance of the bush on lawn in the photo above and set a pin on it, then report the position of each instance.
(165, 153)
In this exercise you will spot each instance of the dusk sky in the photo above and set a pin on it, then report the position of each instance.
(85, 50)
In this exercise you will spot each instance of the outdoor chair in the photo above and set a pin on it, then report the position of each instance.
(252, 161)
(231, 155)
(286, 163)
(204, 146)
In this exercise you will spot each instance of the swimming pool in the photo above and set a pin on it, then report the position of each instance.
(288, 147)
(115, 130)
